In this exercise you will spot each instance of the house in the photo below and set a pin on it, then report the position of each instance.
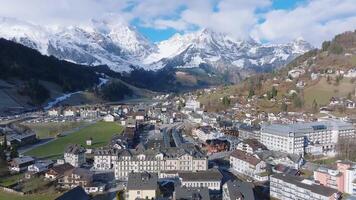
(39, 167)
(210, 179)
(77, 193)
(248, 165)
(189, 193)
(142, 186)
(76, 177)
(58, 171)
(109, 118)
(251, 146)
(205, 133)
(296, 73)
(69, 112)
(284, 186)
(20, 139)
(21, 164)
(75, 155)
(53, 112)
(237, 190)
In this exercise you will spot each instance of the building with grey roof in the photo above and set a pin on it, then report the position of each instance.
(142, 186)
(237, 190)
(189, 193)
(294, 138)
(210, 179)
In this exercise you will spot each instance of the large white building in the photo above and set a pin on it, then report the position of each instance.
(294, 138)
(286, 187)
(125, 161)
(248, 165)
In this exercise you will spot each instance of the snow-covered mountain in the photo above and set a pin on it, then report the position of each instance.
(114, 43)
(222, 51)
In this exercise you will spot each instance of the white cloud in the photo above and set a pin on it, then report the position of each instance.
(315, 21)
(62, 12)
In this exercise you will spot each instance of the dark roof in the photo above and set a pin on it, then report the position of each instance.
(209, 175)
(60, 169)
(77, 193)
(75, 149)
(245, 157)
(315, 188)
(255, 144)
(240, 189)
(142, 181)
(185, 193)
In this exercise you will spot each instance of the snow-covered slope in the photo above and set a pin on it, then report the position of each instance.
(112, 42)
(220, 50)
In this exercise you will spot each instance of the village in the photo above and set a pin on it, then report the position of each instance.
(172, 148)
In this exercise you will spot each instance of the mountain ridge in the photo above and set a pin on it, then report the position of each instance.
(111, 42)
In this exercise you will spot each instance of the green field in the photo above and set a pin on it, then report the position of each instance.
(10, 180)
(51, 129)
(11, 196)
(101, 132)
(323, 91)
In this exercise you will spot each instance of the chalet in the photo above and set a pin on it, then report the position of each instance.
(58, 171)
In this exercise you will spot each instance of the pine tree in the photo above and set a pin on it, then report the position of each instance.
(14, 153)
(274, 92)
(315, 107)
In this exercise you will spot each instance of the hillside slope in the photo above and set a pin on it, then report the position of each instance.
(306, 84)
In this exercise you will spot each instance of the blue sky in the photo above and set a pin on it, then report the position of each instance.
(271, 21)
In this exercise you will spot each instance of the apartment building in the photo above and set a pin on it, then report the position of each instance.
(286, 187)
(124, 161)
(248, 165)
(341, 177)
(294, 138)
(75, 155)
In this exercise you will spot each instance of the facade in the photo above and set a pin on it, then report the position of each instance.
(142, 186)
(285, 187)
(294, 138)
(210, 179)
(342, 177)
(58, 171)
(171, 159)
(75, 155)
(125, 161)
(248, 165)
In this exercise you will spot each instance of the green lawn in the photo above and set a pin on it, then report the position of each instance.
(51, 129)
(323, 91)
(101, 132)
(11, 196)
(10, 180)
